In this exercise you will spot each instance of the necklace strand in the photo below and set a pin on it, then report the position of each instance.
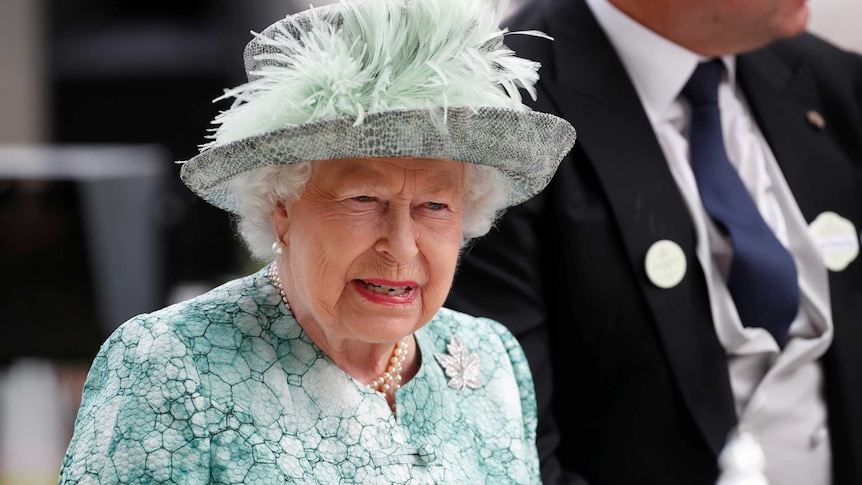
(386, 382)
(391, 379)
(272, 274)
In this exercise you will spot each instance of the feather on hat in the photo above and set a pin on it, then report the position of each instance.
(383, 78)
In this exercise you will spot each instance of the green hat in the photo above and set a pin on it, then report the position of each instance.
(383, 78)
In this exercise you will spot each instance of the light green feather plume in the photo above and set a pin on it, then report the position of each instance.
(383, 55)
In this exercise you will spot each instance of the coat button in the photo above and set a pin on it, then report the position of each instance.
(426, 454)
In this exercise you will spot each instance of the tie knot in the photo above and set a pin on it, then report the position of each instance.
(702, 86)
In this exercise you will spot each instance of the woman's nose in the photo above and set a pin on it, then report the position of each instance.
(398, 235)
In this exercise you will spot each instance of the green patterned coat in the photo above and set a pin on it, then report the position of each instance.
(227, 388)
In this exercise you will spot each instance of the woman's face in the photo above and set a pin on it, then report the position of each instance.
(372, 245)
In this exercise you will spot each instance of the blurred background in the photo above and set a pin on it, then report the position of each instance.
(98, 99)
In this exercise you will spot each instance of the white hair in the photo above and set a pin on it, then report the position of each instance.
(259, 191)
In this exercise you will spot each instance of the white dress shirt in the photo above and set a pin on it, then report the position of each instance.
(778, 394)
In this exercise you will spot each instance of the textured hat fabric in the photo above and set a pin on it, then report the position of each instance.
(383, 78)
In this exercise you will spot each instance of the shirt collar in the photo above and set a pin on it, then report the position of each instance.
(658, 67)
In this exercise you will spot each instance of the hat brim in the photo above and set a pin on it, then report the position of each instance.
(526, 146)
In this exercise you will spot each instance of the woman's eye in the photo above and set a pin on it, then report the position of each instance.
(435, 205)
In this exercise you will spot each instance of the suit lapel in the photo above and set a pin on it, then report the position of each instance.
(781, 96)
(617, 138)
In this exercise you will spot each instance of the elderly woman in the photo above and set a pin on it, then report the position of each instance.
(374, 139)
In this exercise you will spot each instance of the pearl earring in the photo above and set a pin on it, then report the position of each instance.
(278, 246)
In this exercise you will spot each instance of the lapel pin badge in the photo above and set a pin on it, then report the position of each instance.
(816, 119)
(836, 238)
(665, 263)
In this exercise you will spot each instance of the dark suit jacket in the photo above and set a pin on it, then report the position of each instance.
(631, 379)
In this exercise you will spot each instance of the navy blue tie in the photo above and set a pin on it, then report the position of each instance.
(762, 279)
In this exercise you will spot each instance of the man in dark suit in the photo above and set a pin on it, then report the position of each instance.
(615, 279)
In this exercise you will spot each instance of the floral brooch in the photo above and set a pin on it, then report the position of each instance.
(461, 366)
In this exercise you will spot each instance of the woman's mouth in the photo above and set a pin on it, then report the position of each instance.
(386, 289)
(387, 292)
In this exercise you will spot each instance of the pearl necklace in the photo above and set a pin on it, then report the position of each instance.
(391, 379)
(386, 382)
(272, 274)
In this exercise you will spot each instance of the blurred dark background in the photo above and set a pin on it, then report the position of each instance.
(124, 71)
(117, 72)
